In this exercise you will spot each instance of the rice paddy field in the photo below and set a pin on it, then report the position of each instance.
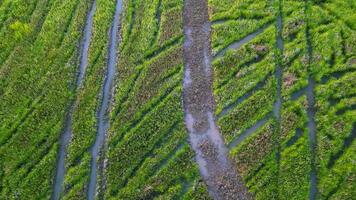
(178, 99)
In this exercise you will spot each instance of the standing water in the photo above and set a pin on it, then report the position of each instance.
(211, 154)
(103, 121)
(65, 137)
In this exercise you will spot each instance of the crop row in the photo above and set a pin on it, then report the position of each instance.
(39, 66)
(148, 155)
(84, 121)
(306, 152)
(332, 29)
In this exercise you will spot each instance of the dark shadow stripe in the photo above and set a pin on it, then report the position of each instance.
(244, 97)
(248, 132)
(241, 42)
(298, 134)
(347, 143)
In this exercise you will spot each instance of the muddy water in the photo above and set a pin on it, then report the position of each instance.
(103, 121)
(65, 137)
(211, 153)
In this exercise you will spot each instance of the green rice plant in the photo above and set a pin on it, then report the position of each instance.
(36, 93)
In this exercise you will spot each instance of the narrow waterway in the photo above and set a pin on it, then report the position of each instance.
(211, 153)
(66, 135)
(103, 121)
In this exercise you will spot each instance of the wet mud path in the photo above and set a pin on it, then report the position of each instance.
(211, 153)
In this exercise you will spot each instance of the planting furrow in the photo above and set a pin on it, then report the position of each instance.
(336, 75)
(244, 97)
(347, 143)
(68, 23)
(335, 189)
(36, 38)
(146, 111)
(43, 153)
(12, 11)
(134, 83)
(346, 109)
(292, 59)
(103, 121)
(47, 6)
(6, 8)
(158, 144)
(299, 93)
(37, 22)
(222, 21)
(336, 100)
(144, 159)
(240, 43)
(154, 168)
(229, 77)
(163, 163)
(298, 134)
(158, 24)
(132, 6)
(235, 142)
(198, 102)
(8, 135)
(339, 18)
(123, 100)
(156, 51)
(186, 186)
(22, 166)
(255, 172)
(66, 135)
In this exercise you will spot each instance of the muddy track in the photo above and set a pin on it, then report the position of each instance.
(211, 153)
(103, 121)
(65, 137)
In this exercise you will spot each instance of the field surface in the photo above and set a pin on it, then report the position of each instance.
(178, 99)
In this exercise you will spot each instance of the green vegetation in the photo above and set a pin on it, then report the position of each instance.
(147, 154)
(87, 103)
(244, 89)
(37, 73)
(334, 36)
(277, 157)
